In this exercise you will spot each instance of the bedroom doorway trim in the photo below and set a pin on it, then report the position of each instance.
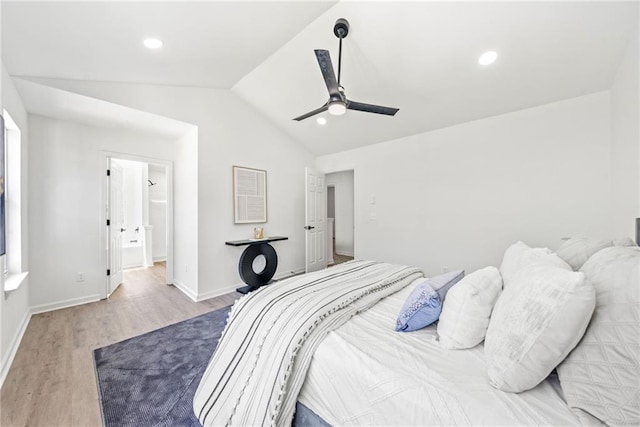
(353, 169)
(106, 157)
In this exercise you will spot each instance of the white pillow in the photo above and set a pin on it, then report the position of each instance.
(624, 241)
(465, 315)
(601, 376)
(520, 255)
(535, 324)
(578, 249)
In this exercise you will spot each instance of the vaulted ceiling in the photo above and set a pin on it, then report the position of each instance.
(418, 56)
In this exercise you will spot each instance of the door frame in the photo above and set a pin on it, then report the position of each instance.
(347, 168)
(106, 156)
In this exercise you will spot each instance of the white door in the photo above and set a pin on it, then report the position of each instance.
(315, 221)
(115, 214)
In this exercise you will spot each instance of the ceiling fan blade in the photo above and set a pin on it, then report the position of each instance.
(369, 108)
(313, 113)
(324, 60)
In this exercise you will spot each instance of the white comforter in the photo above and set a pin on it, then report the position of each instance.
(365, 373)
(264, 352)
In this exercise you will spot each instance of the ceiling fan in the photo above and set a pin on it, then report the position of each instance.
(338, 103)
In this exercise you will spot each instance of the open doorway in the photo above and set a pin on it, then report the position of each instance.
(340, 216)
(139, 226)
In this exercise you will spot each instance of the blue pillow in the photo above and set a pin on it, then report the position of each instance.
(442, 283)
(424, 305)
(421, 309)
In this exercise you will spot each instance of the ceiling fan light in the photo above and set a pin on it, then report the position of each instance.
(337, 108)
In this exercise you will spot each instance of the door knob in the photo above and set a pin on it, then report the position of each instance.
(122, 230)
(308, 227)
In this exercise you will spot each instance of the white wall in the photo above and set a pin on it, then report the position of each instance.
(185, 183)
(457, 197)
(229, 133)
(14, 310)
(625, 144)
(343, 192)
(66, 199)
(158, 211)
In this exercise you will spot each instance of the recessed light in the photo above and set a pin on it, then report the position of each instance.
(322, 121)
(153, 43)
(488, 57)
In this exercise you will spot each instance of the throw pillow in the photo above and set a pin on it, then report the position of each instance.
(465, 314)
(520, 255)
(601, 375)
(421, 309)
(535, 324)
(624, 241)
(424, 305)
(578, 249)
(442, 283)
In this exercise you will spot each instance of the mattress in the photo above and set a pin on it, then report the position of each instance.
(365, 373)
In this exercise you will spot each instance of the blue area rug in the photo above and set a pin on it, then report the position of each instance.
(150, 380)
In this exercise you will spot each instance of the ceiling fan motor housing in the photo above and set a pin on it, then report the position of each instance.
(341, 28)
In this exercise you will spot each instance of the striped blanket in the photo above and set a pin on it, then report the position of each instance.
(265, 350)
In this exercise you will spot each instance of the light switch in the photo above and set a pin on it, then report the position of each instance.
(373, 199)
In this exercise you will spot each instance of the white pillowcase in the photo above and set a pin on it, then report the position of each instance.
(578, 249)
(601, 375)
(535, 324)
(465, 315)
(624, 241)
(520, 255)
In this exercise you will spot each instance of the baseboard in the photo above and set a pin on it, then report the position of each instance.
(13, 348)
(344, 253)
(126, 267)
(64, 304)
(287, 274)
(159, 258)
(229, 289)
(218, 292)
(188, 292)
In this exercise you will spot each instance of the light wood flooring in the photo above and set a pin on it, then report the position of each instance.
(52, 380)
(339, 259)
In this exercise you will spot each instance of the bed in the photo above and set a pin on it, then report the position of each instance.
(348, 365)
(408, 379)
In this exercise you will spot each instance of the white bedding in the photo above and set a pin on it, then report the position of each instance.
(365, 373)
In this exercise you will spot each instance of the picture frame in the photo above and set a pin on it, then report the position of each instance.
(249, 195)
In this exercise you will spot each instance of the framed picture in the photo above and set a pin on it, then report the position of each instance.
(249, 195)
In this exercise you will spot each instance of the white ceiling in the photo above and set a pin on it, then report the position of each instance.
(47, 101)
(418, 56)
(206, 44)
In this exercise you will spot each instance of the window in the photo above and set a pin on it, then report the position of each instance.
(10, 206)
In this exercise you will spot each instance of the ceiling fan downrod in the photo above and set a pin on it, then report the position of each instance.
(341, 30)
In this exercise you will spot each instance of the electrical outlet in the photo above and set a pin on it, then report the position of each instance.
(445, 269)
(80, 276)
